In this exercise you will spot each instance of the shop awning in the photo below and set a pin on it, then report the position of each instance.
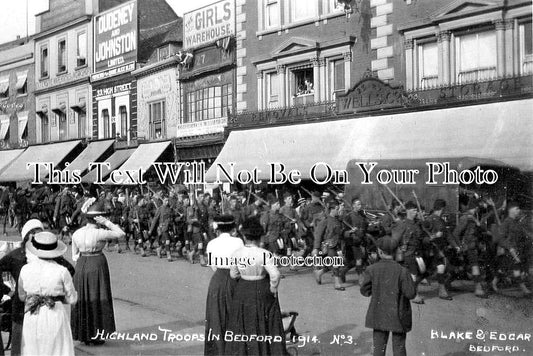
(21, 79)
(4, 84)
(500, 131)
(115, 161)
(92, 153)
(8, 156)
(54, 153)
(4, 126)
(23, 121)
(144, 156)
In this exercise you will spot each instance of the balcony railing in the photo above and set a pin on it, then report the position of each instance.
(476, 75)
(429, 82)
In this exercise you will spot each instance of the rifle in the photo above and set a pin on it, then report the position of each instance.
(421, 216)
(394, 196)
(308, 192)
(382, 196)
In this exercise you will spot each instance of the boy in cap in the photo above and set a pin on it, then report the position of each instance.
(390, 288)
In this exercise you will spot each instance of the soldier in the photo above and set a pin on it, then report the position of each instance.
(329, 239)
(442, 241)
(235, 210)
(273, 223)
(355, 239)
(514, 249)
(162, 225)
(139, 216)
(292, 223)
(409, 237)
(468, 234)
(115, 211)
(389, 221)
(63, 214)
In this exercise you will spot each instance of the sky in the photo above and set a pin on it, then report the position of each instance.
(13, 14)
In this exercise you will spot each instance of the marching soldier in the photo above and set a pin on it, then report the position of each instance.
(355, 239)
(468, 233)
(409, 237)
(162, 226)
(273, 223)
(442, 241)
(115, 211)
(291, 224)
(328, 239)
(63, 213)
(235, 211)
(139, 216)
(389, 221)
(514, 249)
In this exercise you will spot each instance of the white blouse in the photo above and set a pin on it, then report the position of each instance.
(92, 239)
(253, 263)
(46, 278)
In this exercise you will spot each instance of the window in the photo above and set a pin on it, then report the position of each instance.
(22, 86)
(428, 65)
(45, 128)
(302, 10)
(476, 56)
(335, 6)
(44, 61)
(62, 56)
(303, 81)
(81, 51)
(63, 130)
(272, 90)
(123, 121)
(526, 50)
(105, 119)
(271, 13)
(164, 52)
(209, 103)
(156, 113)
(4, 87)
(338, 77)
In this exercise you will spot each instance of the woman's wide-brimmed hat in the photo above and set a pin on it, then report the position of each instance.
(46, 245)
(31, 224)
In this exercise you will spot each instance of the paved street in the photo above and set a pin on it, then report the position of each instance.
(165, 304)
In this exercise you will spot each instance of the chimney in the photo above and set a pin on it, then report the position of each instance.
(18, 37)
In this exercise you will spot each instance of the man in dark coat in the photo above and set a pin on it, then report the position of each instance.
(390, 286)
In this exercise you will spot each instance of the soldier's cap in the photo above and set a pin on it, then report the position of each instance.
(439, 204)
(333, 204)
(252, 229)
(388, 245)
(183, 191)
(316, 194)
(410, 205)
(325, 195)
(301, 201)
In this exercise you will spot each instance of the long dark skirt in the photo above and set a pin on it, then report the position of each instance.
(219, 297)
(93, 312)
(256, 317)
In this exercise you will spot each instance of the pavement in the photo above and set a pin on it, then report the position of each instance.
(160, 310)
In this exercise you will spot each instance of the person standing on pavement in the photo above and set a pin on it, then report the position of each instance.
(46, 288)
(221, 286)
(390, 287)
(94, 310)
(13, 263)
(255, 308)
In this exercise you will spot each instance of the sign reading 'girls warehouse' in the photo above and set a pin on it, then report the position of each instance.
(115, 39)
(208, 24)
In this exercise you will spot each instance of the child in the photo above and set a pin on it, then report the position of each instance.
(391, 288)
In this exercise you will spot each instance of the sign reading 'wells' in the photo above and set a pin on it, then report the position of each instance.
(208, 24)
(115, 37)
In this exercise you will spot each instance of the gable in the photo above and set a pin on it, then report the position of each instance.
(459, 7)
(293, 45)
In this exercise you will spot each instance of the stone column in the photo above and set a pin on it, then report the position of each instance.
(409, 67)
(444, 55)
(282, 90)
(261, 89)
(509, 30)
(317, 78)
(500, 47)
(347, 70)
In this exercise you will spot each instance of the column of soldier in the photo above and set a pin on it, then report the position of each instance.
(492, 247)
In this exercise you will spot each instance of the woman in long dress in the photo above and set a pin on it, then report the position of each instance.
(255, 307)
(46, 288)
(94, 311)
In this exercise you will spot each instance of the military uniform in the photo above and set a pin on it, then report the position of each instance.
(355, 242)
(162, 226)
(273, 224)
(409, 237)
(329, 238)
